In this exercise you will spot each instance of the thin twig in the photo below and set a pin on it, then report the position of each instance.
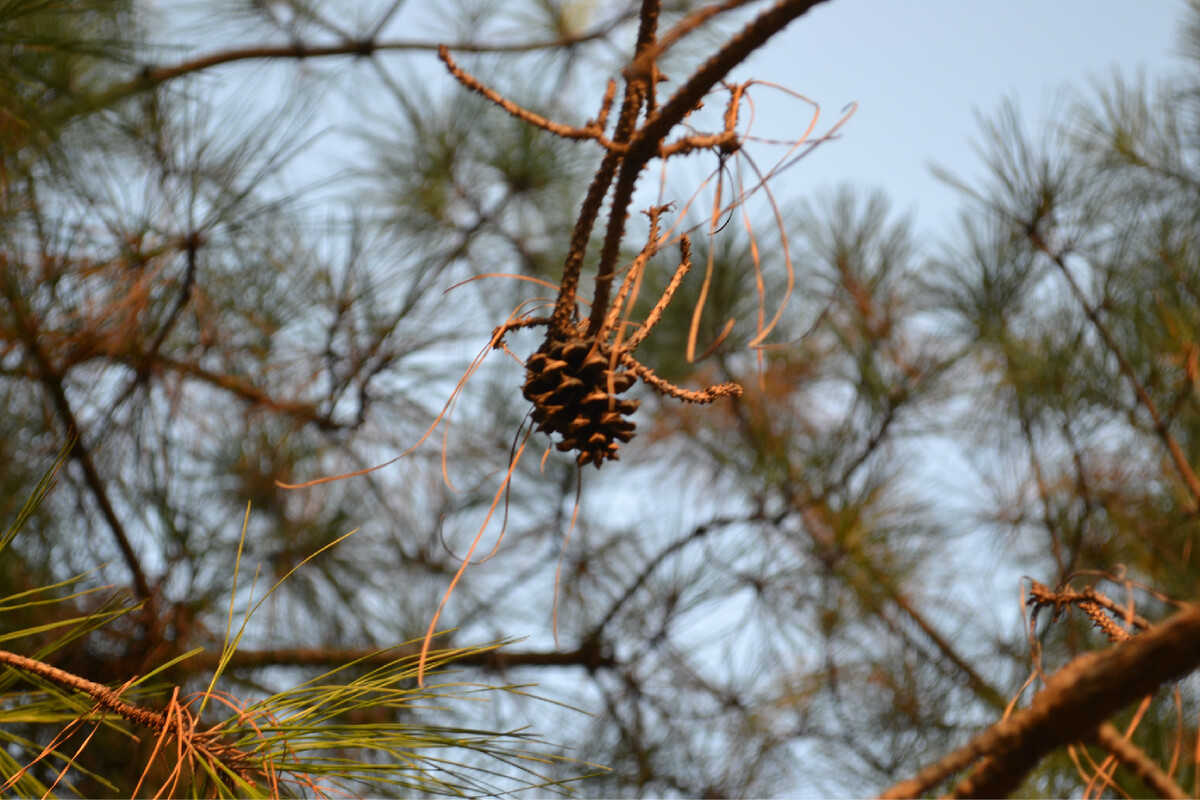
(592, 131)
(634, 276)
(685, 264)
(1140, 764)
(646, 140)
(1042, 596)
(52, 381)
(152, 75)
(702, 396)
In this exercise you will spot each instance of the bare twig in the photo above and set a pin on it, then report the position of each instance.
(1041, 596)
(646, 141)
(1140, 764)
(154, 75)
(594, 130)
(703, 396)
(685, 265)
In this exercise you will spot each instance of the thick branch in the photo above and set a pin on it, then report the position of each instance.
(631, 106)
(1074, 704)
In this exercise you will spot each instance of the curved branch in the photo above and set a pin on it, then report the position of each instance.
(151, 76)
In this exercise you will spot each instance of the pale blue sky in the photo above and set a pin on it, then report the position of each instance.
(920, 71)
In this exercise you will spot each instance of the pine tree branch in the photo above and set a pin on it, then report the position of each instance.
(168, 724)
(631, 105)
(105, 697)
(1073, 705)
(590, 656)
(152, 76)
(252, 394)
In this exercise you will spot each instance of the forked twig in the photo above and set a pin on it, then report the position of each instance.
(1092, 603)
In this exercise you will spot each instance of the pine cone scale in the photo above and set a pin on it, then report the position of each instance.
(573, 387)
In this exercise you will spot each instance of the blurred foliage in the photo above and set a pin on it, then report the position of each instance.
(223, 273)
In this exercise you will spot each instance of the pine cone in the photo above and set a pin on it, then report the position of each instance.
(568, 383)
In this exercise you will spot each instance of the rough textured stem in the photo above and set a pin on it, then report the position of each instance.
(1072, 706)
(646, 141)
(106, 697)
(631, 105)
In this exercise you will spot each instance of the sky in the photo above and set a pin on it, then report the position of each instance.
(921, 71)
